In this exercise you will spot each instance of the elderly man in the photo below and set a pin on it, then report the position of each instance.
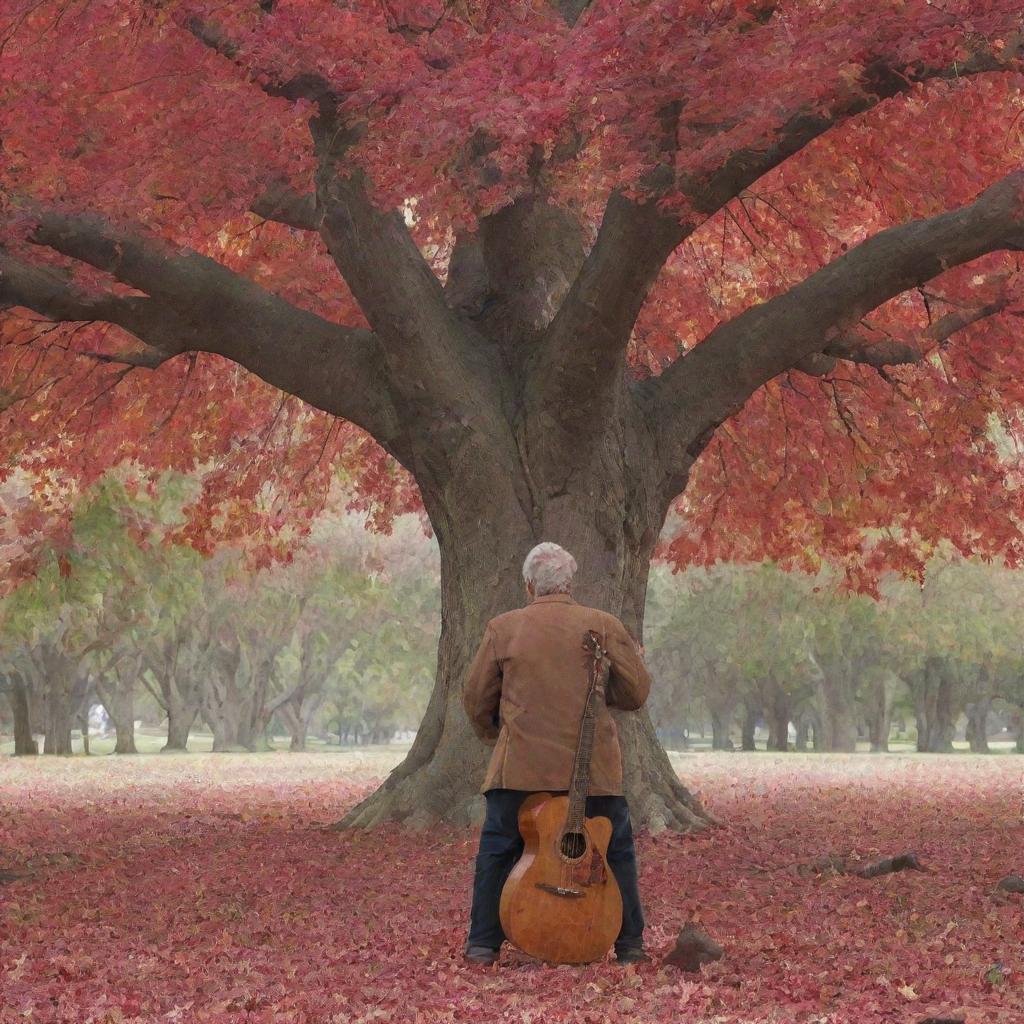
(525, 692)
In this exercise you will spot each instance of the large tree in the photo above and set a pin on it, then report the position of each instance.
(541, 254)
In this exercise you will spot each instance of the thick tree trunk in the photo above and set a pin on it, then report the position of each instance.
(481, 562)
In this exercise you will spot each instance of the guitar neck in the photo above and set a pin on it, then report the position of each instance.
(579, 787)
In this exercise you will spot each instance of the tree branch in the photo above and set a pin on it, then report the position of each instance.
(194, 303)
(711, 383)
(286, 206)
(571, 10)
(594, 324)
(859, 347)
(427, 347)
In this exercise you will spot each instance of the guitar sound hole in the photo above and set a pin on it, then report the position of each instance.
(574, 845)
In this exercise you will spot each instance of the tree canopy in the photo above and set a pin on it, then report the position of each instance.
(165, 212)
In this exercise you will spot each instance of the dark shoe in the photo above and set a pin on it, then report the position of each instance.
(632, 955)
(480, 955)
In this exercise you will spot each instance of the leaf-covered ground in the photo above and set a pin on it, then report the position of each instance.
(202, 888)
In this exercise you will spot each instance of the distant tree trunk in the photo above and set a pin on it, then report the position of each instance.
(977, 725)
(83, 725)
(838, 715)
(932, 690)
(180, 719)
(721, 720)
(299, 734)
(122, 714)
(57, 718)
(230, 730)
(748, 736)
(778, 729)
(227, 704)
(18, 697)
(803, 729)
(879, 715)
(777, 711)
(116, 689)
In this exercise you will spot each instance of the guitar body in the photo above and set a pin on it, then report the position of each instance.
(563, 910)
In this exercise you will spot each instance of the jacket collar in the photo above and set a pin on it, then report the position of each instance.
(553, 599)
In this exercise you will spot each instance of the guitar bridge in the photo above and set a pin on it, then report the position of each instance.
(559, 890)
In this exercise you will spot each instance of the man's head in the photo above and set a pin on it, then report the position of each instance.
(548, 569)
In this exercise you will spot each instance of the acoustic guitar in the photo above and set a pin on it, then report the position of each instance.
(561, 902)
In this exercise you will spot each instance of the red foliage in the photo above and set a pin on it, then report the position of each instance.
(120, 110)
(203, 890)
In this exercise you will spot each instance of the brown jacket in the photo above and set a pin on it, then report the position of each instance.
(531, 676)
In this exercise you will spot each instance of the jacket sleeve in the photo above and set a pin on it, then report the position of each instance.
(628, 681)
(482, 691)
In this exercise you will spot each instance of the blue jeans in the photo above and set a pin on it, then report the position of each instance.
(501, 846)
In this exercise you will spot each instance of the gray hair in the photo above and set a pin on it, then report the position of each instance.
(550, 569)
